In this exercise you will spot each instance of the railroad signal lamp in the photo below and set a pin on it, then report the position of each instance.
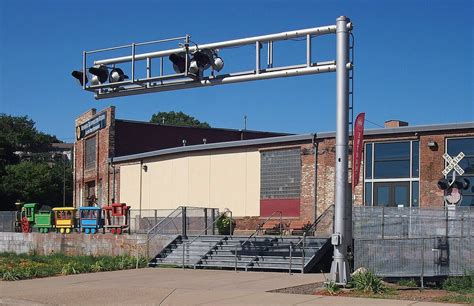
(443, 184)
(218, 63)
(462, 183)
(179, 61)
(203, 59)
(117, 75)
(79, 75)
(101, 74)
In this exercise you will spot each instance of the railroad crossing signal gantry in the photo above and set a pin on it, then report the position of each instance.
(203, 65)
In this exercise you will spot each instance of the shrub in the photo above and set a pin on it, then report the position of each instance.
(367, 282)
(223, 225)
(460, 283)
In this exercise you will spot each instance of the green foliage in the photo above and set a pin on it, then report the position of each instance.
(20, 142)
(15, 267)
(463, 283)
(408, 283)
(331, 287)
(223, 225)
(178, 119)
(35, 181)
(367, 282)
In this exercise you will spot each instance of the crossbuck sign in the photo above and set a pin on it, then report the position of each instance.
(453, 163)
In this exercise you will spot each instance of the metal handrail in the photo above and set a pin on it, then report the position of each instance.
(302, 240)
(259, 227)
(321, 216)
(187, 244)
(165, 219)
(212, 225)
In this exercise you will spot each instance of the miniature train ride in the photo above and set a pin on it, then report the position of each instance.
(114, 218)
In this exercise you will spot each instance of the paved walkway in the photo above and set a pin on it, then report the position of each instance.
(174, 287)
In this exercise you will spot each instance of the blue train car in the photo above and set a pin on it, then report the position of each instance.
(90, 220)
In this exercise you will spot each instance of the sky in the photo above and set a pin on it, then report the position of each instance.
(414, 60)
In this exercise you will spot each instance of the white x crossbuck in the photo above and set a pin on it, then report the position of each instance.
(453, 163)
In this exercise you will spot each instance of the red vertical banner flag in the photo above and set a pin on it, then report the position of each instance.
(357, 144)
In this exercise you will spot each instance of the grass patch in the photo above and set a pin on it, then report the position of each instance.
(23, 266)
(407, 283)
(457, 298)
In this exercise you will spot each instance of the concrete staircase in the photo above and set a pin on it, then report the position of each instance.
(260, 253)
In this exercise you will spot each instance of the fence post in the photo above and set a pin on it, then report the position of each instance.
(156, 217)
(235, 258)
(383, 221)
(281, 221)
(183, 221)
(184, 246)
(422, 263)
(205, 220)
(291, 257)
(231, 223)
(213, 220)
(302, 253)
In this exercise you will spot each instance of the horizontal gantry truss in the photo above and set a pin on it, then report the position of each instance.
(159, 81)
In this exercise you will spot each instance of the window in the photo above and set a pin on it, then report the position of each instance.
(392, 174)
(280, 174)
(465, 145)
(391, 160)
(280, 182)
(90, 152)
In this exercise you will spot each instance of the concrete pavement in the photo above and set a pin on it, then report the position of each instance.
(174, 287)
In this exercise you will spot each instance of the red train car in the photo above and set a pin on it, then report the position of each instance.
(117, 218)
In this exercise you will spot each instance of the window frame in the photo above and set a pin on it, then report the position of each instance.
(88, 166)
(372, 180)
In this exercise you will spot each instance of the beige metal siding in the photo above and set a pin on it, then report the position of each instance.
(229, 179)
(130, 185)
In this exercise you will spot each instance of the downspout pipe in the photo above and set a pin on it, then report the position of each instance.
(315, 179)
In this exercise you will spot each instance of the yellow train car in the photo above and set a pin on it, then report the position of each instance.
(64, 219)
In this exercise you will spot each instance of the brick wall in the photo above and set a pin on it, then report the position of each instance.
(99, 174)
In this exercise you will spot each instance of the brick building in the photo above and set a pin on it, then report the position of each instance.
(100, 137)
(256, 177)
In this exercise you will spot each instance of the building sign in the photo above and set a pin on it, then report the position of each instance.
(91, 126)
(357, 145)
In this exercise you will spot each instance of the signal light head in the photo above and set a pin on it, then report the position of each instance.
(443, 184)
(462, 183)
(179, 61)
(101, 74)
(203, 58)
(79, 75)
(217, 64)
(117, 75)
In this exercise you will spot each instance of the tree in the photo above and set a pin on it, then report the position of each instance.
(18, 134)
(28, 170)
(178, 119)
(33, 181)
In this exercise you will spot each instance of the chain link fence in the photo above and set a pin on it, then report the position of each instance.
(7, 221)
(172, 221)
(413, 242)
(393, 222)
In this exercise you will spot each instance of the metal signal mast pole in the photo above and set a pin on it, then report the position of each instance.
(342, 237)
